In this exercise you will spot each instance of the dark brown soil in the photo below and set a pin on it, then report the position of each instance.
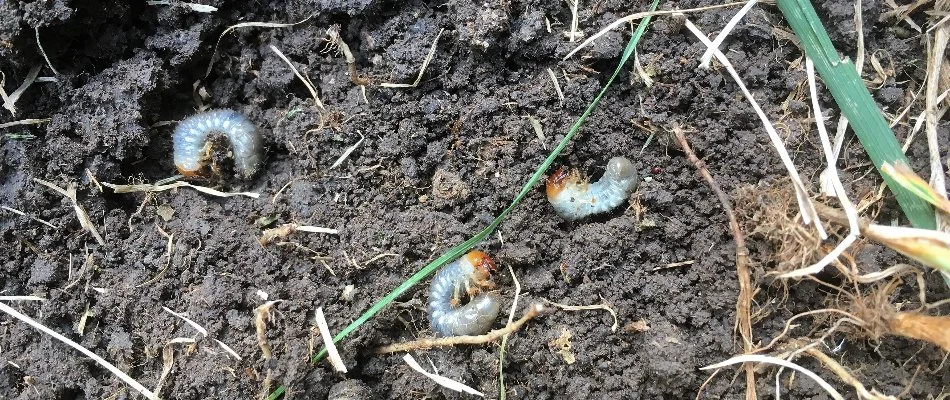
(437, 163)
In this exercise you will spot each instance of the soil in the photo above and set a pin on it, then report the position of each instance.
(433, 165)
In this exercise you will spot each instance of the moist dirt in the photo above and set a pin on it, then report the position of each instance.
(433, 165)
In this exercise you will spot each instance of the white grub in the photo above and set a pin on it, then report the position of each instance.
(574, 198)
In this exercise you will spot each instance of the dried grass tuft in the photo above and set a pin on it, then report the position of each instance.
(770, 212)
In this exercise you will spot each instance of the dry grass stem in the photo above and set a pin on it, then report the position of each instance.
(202, 8)
(379, 257)
(514, 303)
(281, 232)
(605, 307)
(441, 380)
(557, 86)
(317, 229)
(228, 349)
(744, 300)
(809, 215)
(574, 33)
(21, 298)
(10, 100)
(538, 131)
(778, 361)
(199, 328)
(337, 40)
(839, 141)
(644, 76)
(900, 116)
(28, 121)
(346, 153)
(710, 52)
(533, 311)
(903, 12)
(332, 354)
(306, 81)
(922, 119)
(422, 69)
(859, 31)
(214, 54)
(42, 51)
(932, 248)
(504, 339)
(3, 93)
(168, 361)
(107, 365)
(88, 263)
(940, 23)
(160, 188)
(169, 251)
(936, 60)
(70, 193)
(23, 214)
(908, 179)
(93, 181)
(673, 265)
(831, 172)
(273, 199)
(896, 270)
(640, 15)
(846, 376)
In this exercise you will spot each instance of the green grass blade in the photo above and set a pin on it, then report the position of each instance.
(457, 251)
(631, 47)
(276, 393)
(855, 101)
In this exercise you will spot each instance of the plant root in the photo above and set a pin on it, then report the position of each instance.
(744, 301)
(533, 311)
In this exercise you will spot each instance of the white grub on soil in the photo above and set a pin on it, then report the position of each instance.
(107, 107)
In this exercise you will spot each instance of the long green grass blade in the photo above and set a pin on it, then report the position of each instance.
(276, 393)
(631, 47)
(457, 251)
(855, 101)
